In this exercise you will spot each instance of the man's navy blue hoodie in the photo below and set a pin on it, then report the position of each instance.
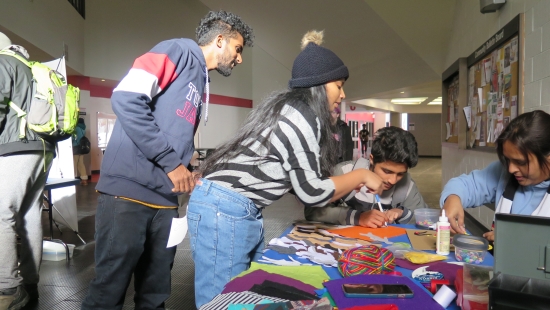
(158, 107)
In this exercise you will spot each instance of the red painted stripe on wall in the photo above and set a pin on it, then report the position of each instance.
(83, 82)
(230, 101)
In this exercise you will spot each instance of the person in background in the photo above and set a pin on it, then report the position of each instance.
(78, 159)
(518, 183)
(24, 166)
(158, 106)
(287, 143)
(343, 136)
(394, 152)
(364, 138)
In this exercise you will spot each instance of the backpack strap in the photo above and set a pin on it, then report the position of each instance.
(20, 113)
(16, 55)
(23, 122)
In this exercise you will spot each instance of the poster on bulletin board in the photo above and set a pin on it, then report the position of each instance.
(493, 86)
(452, 111)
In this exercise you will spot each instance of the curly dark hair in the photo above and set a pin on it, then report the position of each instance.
(394, 144)
(224, 23)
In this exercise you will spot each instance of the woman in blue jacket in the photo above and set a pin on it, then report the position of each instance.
(519, 183)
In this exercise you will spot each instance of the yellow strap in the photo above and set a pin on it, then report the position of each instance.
(22, 128)
(44, 158)
(14, 54)
(150, 205)
(21, 114)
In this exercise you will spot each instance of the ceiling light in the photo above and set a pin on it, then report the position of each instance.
(102, 80)
(417, 100)
(402, 92)
(436, 101)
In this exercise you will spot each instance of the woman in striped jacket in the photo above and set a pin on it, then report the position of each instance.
(286, 143)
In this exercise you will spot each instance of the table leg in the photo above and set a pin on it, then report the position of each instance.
(50, 215)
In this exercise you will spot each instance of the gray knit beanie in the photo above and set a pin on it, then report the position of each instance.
(316, 65)
(4, 41)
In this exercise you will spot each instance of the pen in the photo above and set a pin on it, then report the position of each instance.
(380, 206)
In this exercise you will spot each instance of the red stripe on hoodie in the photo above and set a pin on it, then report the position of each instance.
(158, 65)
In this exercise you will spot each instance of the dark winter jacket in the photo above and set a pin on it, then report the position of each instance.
(345, 152)
(158, 108)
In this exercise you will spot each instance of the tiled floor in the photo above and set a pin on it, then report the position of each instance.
(64, 285)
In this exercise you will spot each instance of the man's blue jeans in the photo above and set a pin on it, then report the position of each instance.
(130, 239)
(226, 232)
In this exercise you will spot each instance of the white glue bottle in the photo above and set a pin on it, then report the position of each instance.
(443, 235)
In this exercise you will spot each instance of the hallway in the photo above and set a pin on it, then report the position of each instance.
(64, 285)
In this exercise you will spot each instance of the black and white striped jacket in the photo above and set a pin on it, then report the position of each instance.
(291, 160)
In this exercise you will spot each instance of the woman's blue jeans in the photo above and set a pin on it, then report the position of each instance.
(226, 231)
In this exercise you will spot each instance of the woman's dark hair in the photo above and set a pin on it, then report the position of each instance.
(530, 133)
(265, 117)
(394, 144)
(224, 23)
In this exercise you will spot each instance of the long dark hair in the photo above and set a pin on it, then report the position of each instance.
(530, 133)
(265, 117)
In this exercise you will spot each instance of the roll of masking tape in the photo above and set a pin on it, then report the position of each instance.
(444, 296)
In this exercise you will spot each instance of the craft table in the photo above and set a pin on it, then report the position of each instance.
(53, 183)
(335, 274)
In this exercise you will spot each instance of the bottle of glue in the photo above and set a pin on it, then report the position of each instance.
(443, 235)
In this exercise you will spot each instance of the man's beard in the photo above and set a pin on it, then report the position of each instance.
(225, 64)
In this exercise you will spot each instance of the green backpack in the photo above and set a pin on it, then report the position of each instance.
(53, 112)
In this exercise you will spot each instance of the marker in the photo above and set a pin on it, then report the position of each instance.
(380, 206)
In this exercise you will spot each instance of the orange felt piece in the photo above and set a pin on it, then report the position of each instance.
(358, 231)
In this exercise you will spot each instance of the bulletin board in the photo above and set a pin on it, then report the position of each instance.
(493, 86)
(454, 98)
(451, 125)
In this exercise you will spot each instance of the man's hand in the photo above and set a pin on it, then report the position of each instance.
(393, 214)
(490, 235)
(372, 219)
(183, 180)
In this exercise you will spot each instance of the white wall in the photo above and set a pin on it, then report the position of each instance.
(269, 75)
(117, 32)
(395, 119)
(47, 24)
(456, 162)
(427, 132)
(92, 106)
(223, 123)
(470, 30)
(379, 120)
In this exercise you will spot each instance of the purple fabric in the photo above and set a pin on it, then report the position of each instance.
(403, 263)
(448, 270)
(421, 300)
(246, 282)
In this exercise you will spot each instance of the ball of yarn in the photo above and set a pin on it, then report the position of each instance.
(367, 259)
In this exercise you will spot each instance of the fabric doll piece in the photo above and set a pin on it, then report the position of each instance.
(246, 282)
